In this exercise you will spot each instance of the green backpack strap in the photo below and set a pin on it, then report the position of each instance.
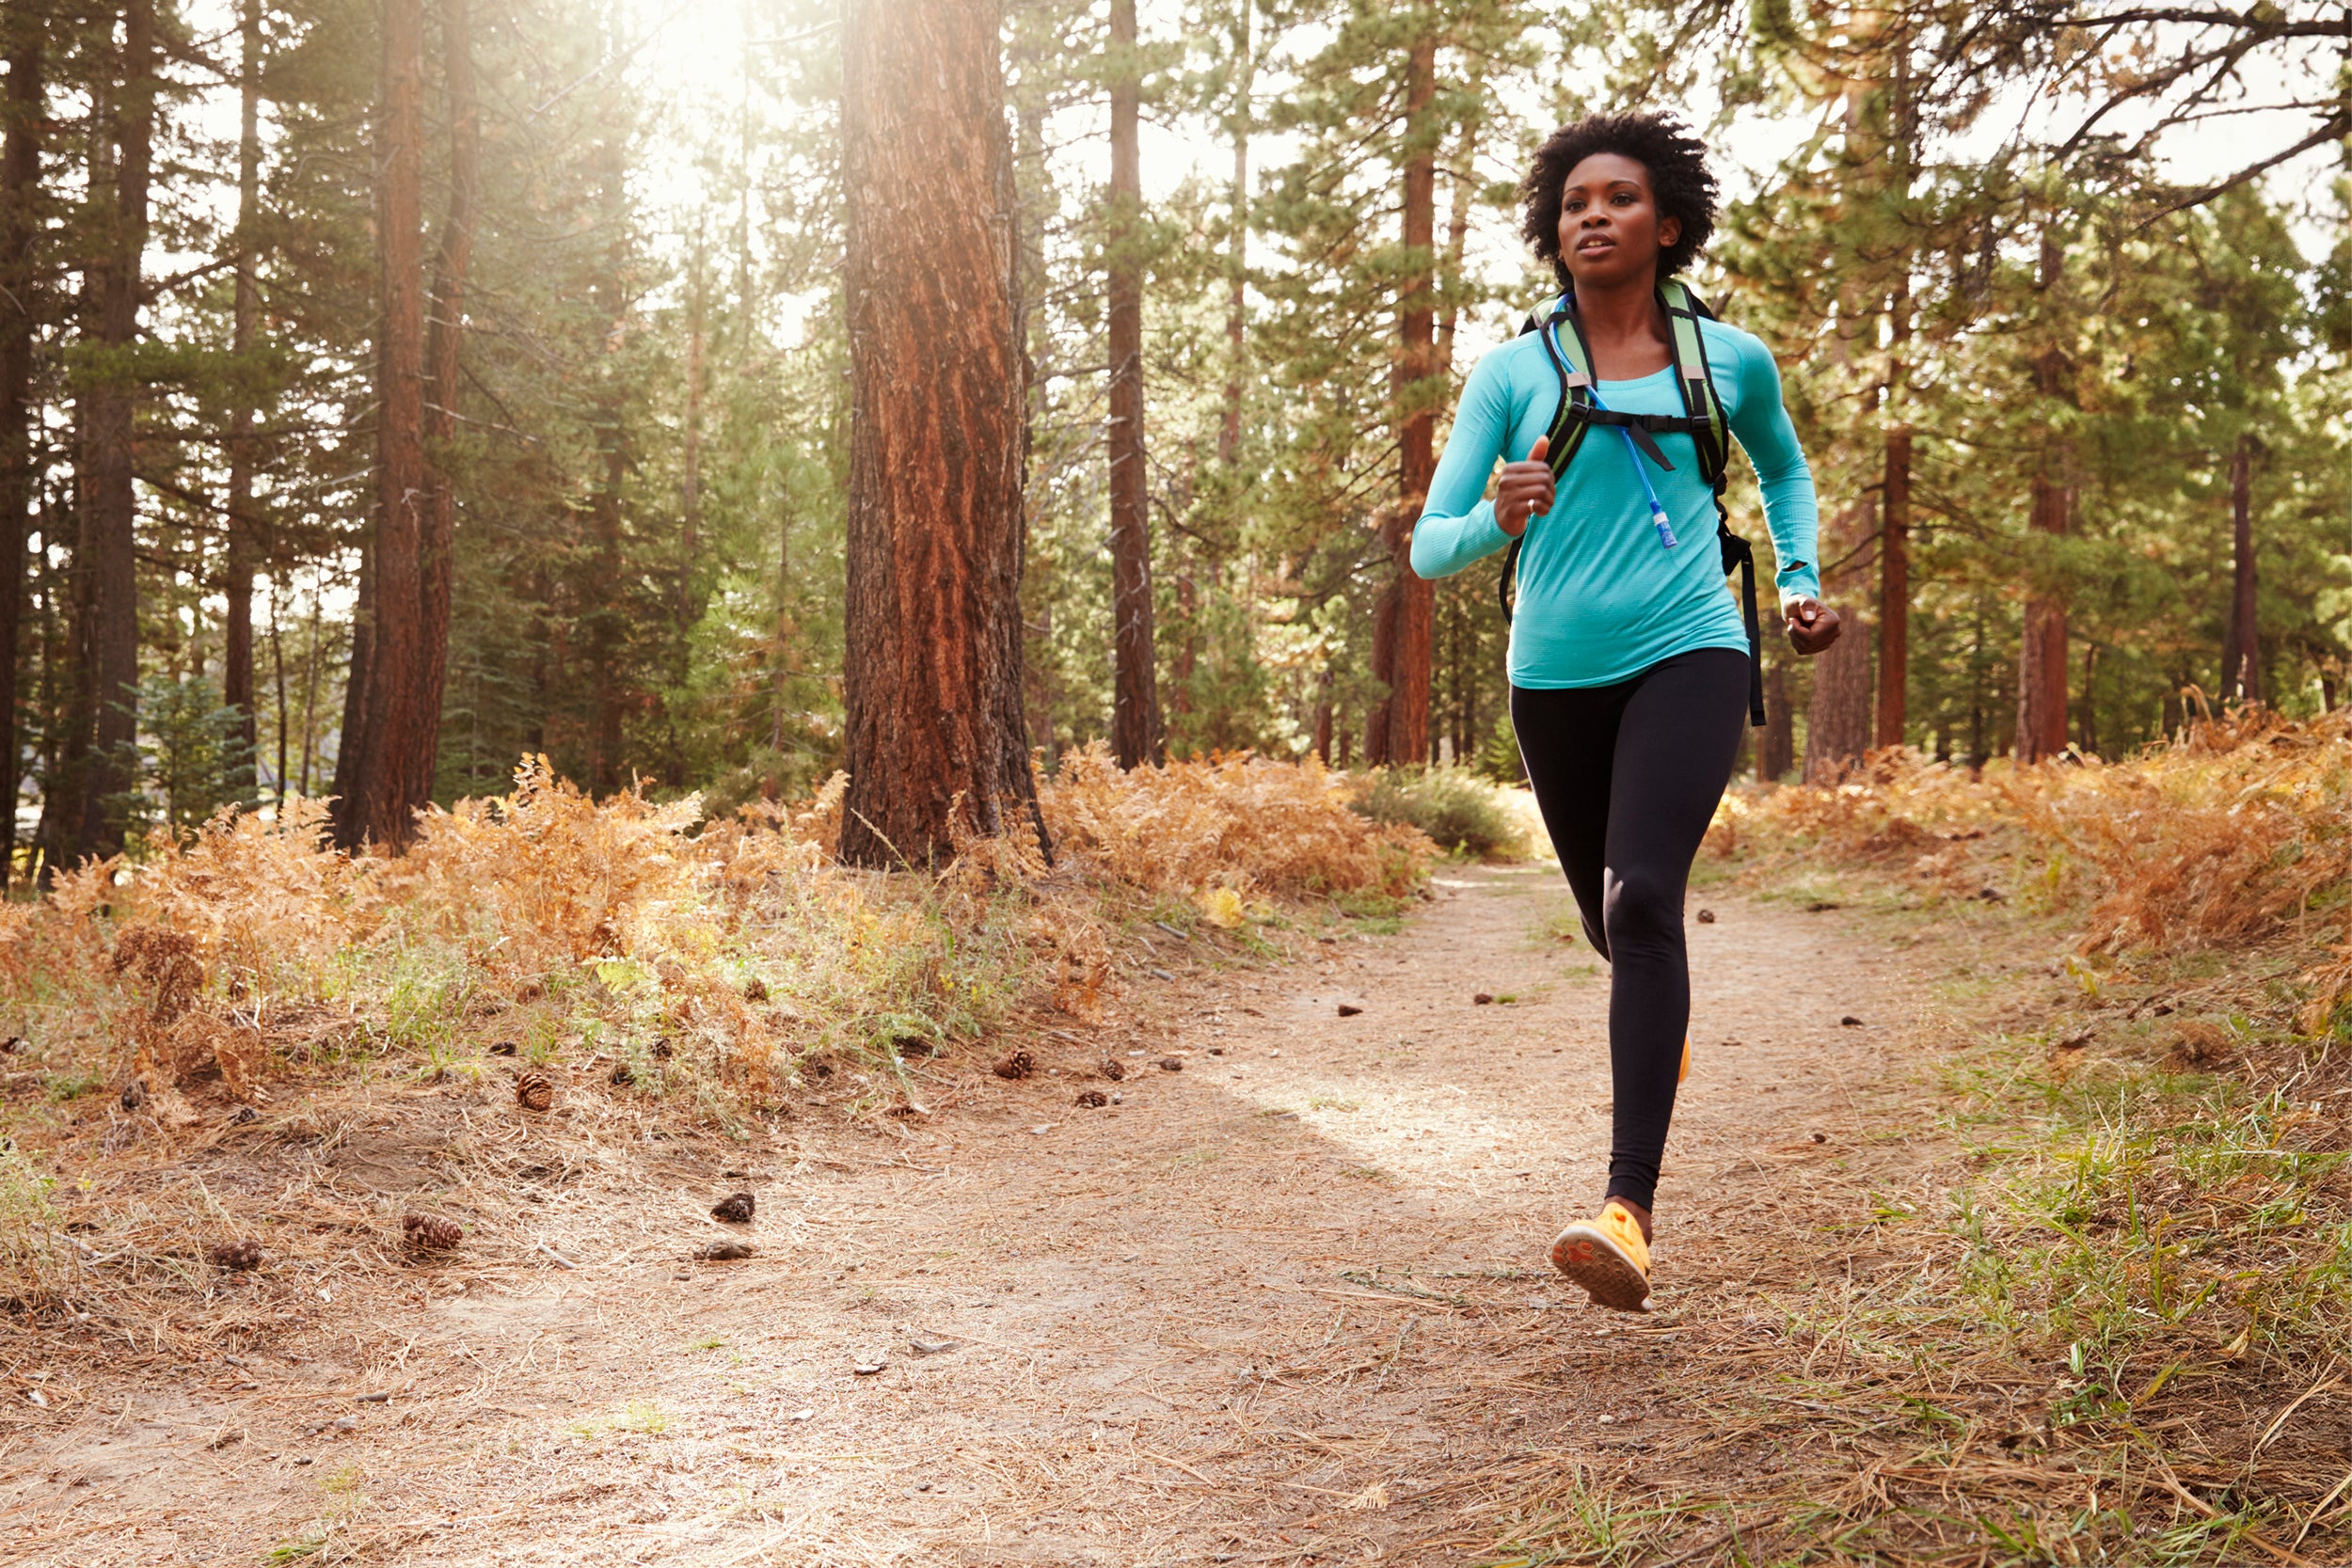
(1568, 423)
(1710, 432)
(1684, 312)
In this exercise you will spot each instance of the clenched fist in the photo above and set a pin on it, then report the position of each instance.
(1526, 490)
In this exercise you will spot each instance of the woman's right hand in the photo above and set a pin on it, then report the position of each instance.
(1525, 491)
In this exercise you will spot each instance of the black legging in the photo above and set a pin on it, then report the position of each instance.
(1628, 777)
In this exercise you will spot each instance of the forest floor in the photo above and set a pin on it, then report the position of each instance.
(1287, 1304)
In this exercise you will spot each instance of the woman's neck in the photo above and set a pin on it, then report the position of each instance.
(1626, 328)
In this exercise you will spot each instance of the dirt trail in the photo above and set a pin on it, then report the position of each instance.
(1288, 1304)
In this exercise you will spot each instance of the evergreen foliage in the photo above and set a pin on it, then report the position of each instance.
(1931, 213)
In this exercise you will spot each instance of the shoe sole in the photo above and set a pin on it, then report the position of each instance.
(1587, 1256)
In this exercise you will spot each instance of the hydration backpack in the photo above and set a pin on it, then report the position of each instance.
(1702, 419)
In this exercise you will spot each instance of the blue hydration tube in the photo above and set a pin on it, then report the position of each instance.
(1657, 513)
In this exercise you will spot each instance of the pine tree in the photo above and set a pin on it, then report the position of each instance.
(104, 725)
(1136, 729)
(24, 114)
(934, 719)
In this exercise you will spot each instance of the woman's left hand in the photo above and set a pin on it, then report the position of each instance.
(1812, 625)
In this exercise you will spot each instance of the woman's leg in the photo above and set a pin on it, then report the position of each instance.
(1676, 738)
(1568, 740)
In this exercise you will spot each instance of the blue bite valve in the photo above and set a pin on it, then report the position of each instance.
(1658, 520)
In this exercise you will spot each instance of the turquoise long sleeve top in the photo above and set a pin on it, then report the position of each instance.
(1600, 599)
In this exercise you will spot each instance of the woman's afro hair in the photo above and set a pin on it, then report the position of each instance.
(1678, 179)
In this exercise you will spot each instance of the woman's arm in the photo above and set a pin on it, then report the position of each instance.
(1456, 526)
(1761, 421)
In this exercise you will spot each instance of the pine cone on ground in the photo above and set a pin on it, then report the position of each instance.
(1113, 1068)
(237, 1255)
(1020, 1064)
(622, 1077)
(431, 1231)
(662, 1051)
(503, 1048)
(533, 1092)
(1093, 1098)
(754, 990)
(735, 1209)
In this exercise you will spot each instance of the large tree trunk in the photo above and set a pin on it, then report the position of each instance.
(1895, 590)
(20, 186)
(444, 343)
(1399, 732)
(1135, 734)
(378, 761)
(932, 639)
(108, 557)
(2240, 650)
(244, 527)
(1837, 721)
(2042, 650)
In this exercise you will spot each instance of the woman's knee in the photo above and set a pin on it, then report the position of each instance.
(1641, 907)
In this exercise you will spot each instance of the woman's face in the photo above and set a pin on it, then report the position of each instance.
(1609, 230)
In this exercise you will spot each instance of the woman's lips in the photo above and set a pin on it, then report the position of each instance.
(1595, 244)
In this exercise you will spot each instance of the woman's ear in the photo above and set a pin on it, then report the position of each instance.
(1669, 230)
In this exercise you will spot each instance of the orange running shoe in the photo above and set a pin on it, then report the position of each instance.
(1608, 1257)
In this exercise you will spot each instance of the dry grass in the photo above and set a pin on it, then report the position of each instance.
(2242, 826)
(251, 986)
(1235, 822)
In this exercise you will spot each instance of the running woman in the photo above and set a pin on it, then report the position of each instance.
(1629, 663)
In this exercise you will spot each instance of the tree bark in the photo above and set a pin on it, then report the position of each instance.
(2240, 650)
(690, 602)
(1837, 721)
(277, 664)
(2041, 651)
(2087, 710)
(605, 625)
(312, 654)
(1895, 590)
(108, 557)
(1399, 730)
(1136, 727)
(444, 342)
(1237, 236)
(24, 128)
(936, 737)
(355, 720)
(243, 527)
(378, 757)
(1776, 751)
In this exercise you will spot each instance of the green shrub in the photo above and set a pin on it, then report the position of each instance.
(1461, 812)
(1499, 758)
